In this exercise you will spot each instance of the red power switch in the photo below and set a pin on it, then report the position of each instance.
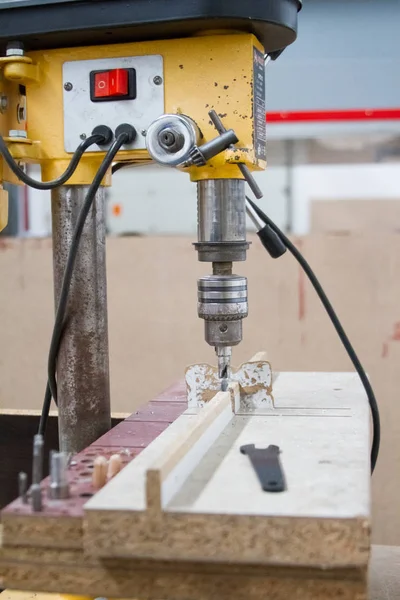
(116, 84)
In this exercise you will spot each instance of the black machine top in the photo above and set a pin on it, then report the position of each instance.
(44, 24)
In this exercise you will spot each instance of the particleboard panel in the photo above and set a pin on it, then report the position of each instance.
(221, 513)
(383, 582)
(76, 573)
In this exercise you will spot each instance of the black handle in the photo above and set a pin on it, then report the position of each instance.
(271, 242)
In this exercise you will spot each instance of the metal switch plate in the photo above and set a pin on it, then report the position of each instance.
(81, 115)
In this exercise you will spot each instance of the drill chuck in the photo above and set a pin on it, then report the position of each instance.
(222, 303)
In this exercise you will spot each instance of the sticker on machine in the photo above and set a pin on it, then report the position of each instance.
(259, 132)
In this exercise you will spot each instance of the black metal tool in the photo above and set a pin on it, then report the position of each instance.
(267, 465)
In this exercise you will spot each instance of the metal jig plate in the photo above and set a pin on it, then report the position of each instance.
(81, 115)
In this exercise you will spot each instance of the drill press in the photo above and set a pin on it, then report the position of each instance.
(62, 79)
(221, 216)
(181, 83)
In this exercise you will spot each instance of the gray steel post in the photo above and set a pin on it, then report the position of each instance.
(82, 366)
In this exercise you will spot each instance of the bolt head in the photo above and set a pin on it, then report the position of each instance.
(158, 80)
(15, 49)
(68, 86)
(168, 138)
(144, 132)
(83, 136)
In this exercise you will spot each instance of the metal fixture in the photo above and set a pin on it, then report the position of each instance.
(257, 222)
(59, 486)
(157, 80)
(17, 133)
(15, 48)
(37, 473)
(221, 226)
(3, 103)
(171, 140)
(222, 303)
(245, 171)
(221, 220)
(23, 487)
(81, 114)
(179, 128)
(199, 156)
(83, 392)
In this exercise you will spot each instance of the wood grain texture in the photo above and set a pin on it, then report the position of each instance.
(168, 472)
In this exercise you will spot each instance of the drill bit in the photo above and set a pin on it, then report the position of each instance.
(224, 354)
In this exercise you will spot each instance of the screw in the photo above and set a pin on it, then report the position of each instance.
(3, 103)
(144, 132)
(68, 86)
(223, 328)
(83, 136)
(157, 80)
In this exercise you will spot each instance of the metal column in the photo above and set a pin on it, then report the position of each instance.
(82, 368)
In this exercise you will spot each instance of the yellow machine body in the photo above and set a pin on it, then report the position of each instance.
(205, 72)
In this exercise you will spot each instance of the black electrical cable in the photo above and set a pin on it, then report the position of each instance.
(51, 388)
(49, 185)
(339, 330)
(121, 165)
(44, 417)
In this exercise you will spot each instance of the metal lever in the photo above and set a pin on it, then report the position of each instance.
(199, 155)
(253, 185)
(267, 465)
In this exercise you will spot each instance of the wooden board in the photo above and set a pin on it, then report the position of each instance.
(60, 524)
(383, 578)
(220, 512)
(305, 557)
(76, 573)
